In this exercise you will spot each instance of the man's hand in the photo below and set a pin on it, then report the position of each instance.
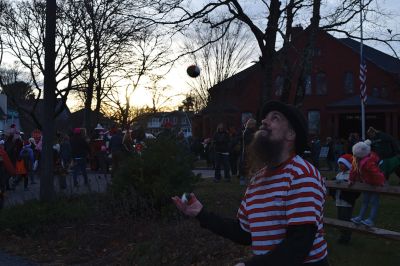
(191, 208)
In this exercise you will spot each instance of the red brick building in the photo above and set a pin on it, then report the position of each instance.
(332, 102)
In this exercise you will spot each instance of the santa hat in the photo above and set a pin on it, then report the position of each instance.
(346, 159)
(362, 149)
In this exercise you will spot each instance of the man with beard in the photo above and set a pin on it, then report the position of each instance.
(281, 214)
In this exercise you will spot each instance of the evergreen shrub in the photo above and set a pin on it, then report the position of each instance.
(162, 170)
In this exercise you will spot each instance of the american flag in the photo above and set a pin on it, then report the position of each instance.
(363, 81)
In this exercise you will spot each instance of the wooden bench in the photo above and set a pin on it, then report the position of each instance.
(387, 190)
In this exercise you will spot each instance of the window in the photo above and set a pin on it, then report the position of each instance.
(317, 52)
(314, 122)
(322, 87)
(154, 122)
(279, 85)
(307, 85)
(348, 82)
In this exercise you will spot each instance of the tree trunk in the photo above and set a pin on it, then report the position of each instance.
(308, 54)
(268, 52)
(99, 83)
(88, 101)
(49, 97)
(287, 68)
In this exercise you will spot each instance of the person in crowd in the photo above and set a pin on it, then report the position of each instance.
(247, 137)
(315, 150)
(65, 152)
(80, 151)
(13, 146)
(183, 142)
(6, 169)
(354, 137)
(281, 214)
(365, 169)
(234, 149)
(221, 142)
(339, 149)
(330, 158)
(95, 146)
(345, 200)
(127, 142)
(208, 152)
(103, 162)
(387, 149)
(24, 165)
(32, 145)
(59, 169)
(116, 148)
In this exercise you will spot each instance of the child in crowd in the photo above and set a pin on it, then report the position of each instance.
(344, 199)
(365, 169)
(23, 165)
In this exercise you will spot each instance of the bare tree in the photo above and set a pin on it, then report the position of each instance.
(159, 95)
(147, 54)
(106, 31)
(180, 16)
(219, 60)
(23, 24)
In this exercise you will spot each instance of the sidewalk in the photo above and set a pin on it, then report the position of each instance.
(204, 172)
(97, 183)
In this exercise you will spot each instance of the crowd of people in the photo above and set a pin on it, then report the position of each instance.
(227, 151)
(73, 152)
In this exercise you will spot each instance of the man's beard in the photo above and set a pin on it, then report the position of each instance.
(264, 150)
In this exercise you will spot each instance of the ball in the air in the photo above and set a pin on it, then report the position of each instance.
(193, 71)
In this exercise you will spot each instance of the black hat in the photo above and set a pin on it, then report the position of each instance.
(295, 118)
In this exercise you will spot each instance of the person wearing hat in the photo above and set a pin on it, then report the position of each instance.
(344, 200)
(365, 169)
(387, 149)
(281, 214)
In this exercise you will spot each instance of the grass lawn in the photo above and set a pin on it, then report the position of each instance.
(178, 240)
(363, 250)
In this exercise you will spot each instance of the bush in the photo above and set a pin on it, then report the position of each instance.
(162, 170)
(34, 217)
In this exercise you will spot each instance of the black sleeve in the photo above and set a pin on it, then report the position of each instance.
(225, 227)
(292, 251)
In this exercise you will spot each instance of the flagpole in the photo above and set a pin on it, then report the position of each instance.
(361, 63)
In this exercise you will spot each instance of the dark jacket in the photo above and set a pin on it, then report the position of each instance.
(79, 147)
(384, 145)
(116, 143)
(65, 150)
(221, 141)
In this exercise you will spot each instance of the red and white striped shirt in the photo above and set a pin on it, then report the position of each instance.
(292, 194)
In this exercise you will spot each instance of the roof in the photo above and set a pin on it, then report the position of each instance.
(76, 119)
(26, 121)
(382, 60)
(220, 107)
(242, 75)
(355, 101)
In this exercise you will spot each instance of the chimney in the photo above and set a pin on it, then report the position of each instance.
(296, 31)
